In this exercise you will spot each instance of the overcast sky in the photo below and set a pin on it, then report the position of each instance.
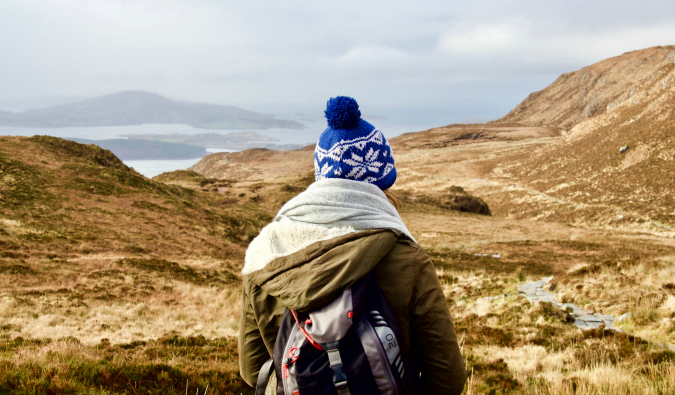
(463, 59)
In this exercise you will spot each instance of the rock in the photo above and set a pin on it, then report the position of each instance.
(589, 318)
(594, 324)
(580, 324)
(623, 149)
(535, 293)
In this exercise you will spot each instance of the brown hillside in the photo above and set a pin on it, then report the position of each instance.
(453, 135)
(257, 164)
(99, 251)
(596, 89)
(634, 107)
(553, 158)
(110, 282)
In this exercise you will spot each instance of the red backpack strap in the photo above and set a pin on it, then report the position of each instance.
(304, 332)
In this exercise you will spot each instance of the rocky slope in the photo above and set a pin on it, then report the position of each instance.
(626, 101)
(594, 90)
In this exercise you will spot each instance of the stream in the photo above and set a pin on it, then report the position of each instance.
(534, 292)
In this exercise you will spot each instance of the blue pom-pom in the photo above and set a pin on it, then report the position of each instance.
(342, 112)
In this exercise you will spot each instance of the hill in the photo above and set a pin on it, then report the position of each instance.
(116, 272)
(139, 107)
(621, 81)
(204, 139)
(258, 164)
(627, 101)
(113, 282)
(512, 346)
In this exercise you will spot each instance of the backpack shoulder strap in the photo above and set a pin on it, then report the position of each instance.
(264, 377)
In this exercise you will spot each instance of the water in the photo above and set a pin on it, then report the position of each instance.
(150, 168)
(101, 132)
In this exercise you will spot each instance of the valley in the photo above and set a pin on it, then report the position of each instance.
(116, 283)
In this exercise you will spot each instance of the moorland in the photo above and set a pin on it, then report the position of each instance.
(114, 283)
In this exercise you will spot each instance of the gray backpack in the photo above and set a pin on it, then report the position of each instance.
(349, 346)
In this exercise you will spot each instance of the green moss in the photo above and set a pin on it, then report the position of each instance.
(495, 376)
(454, 198)
(464, 261)
(458, 202)
(124, 180)
(94, 186)
(180, 175)
(657, 357)
(23, 184)
(16, 269)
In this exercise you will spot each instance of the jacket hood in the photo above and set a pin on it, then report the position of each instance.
(315, 275)
(327, 209)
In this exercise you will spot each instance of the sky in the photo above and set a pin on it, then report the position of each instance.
(447, 60)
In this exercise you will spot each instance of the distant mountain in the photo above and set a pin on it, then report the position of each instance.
(139, 107)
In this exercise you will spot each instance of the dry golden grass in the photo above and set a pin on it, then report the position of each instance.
(257, 165)
(113, 283)
(642, 289)
(104, 274)
(512, 346)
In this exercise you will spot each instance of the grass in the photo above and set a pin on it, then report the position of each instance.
(451, 198)
(513, 347)
(113, 283)
(168, 365)
(638, 288)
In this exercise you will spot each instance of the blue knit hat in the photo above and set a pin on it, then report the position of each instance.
(353, 149)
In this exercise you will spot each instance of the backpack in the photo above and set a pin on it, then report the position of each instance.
(348, 347)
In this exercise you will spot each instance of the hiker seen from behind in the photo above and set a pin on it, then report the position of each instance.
(338, 297)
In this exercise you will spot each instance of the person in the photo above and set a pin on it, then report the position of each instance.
(331, 235)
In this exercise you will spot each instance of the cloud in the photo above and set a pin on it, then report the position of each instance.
(481, 56)
(482, 39)
(537, 42)
(365, 55)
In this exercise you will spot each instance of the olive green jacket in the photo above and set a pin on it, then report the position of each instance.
(313, 277)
